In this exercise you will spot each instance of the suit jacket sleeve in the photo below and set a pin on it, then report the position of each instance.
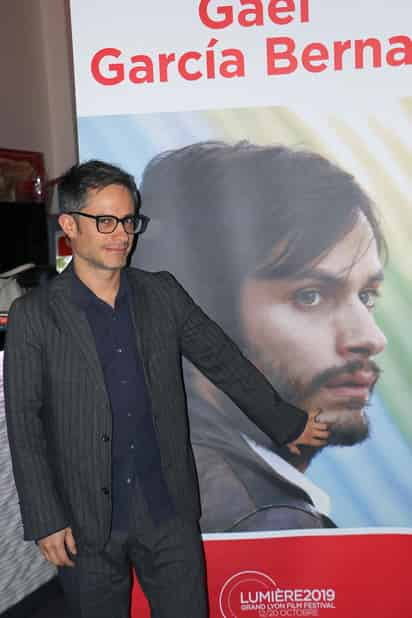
(205, 344)
(41, 509)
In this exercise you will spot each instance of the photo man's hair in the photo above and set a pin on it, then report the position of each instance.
(228, 211)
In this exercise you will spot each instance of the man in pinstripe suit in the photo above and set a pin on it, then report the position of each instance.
(97, 414)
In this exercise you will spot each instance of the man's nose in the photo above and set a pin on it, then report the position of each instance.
(359, 334)
(120, 232)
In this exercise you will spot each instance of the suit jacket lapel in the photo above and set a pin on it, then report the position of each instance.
(142, 322)
(70, 319)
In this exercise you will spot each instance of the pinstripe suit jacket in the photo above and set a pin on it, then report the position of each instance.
(58, 408)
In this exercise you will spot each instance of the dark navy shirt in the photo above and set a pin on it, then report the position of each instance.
(135, 449)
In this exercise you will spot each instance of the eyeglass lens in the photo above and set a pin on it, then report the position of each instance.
(108, 224)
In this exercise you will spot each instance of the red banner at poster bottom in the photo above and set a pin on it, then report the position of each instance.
(336, 576)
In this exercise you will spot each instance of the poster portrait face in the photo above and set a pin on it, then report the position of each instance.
(298, 297)
(314, 335)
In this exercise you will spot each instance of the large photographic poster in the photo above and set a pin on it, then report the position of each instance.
(272, 141)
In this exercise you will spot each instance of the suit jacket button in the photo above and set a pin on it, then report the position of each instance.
(105, 437)
(105, 490)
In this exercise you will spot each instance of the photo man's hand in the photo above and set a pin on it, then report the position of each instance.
(315, 434)
(55, 546)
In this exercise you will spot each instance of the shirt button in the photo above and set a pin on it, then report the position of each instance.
(105, 437)
(119, 350)
(132, 445)
(105, 490)
(128, 480)
(129, 414)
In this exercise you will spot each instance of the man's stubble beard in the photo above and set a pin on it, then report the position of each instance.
(99, 263)
(349, 425)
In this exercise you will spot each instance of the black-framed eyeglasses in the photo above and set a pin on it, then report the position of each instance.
(106, 224)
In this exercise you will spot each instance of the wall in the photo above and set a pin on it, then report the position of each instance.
(37, 94)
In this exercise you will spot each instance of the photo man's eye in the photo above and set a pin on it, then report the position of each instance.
(309, 298)
(369, 297)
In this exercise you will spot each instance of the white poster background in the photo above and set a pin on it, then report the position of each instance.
(136, 27)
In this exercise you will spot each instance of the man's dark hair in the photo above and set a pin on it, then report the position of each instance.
(228, 211)
(74, 185)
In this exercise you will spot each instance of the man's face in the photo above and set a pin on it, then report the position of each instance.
(91, 249)
(314, 336)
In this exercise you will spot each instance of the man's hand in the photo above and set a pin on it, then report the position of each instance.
(54, 547)
(314, 434)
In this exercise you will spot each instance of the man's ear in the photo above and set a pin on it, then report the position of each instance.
(68, 224)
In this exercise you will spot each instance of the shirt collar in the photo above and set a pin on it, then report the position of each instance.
(320, 498)
(84, 297)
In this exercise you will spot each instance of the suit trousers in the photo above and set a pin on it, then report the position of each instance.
(167, 558)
